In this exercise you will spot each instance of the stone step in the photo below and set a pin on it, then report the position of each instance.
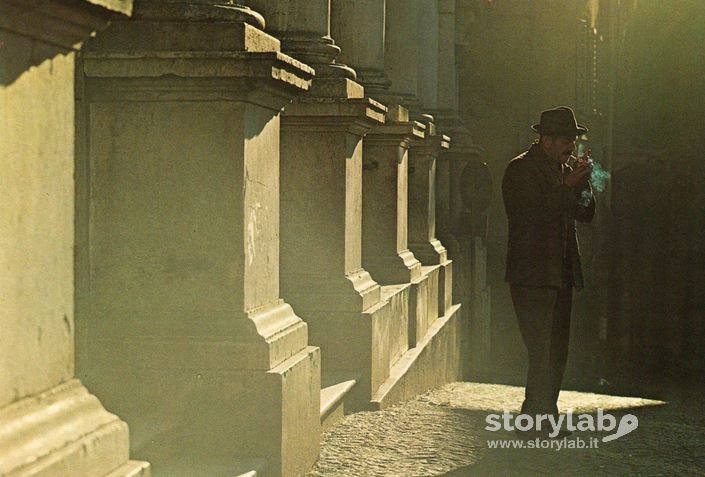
(333, 401)
(212, 466)
(132, 469)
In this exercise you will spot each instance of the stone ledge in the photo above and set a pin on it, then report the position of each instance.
(132, 469)
(333, 402)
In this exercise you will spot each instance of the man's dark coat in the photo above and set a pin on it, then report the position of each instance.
(541, 211)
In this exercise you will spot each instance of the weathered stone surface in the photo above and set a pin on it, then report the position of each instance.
(63, 431)
(49, 423)
(60, 23)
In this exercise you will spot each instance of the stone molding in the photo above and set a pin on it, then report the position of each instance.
(356, 116)
(195, 11)
(431, 145)
(269, 79)
(304, 29)
(195, 52)
(401, 134)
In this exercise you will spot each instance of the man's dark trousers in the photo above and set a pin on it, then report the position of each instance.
(543, 314)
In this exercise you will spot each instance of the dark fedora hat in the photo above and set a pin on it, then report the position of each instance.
(559, 121)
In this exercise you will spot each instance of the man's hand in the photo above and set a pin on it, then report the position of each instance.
(579, 176)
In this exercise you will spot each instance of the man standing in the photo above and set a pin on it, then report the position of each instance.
(543, 196)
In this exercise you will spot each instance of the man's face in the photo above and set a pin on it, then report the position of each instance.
(559, 148)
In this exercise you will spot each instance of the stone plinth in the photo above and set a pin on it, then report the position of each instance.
(385, 190)
(183, 327)
(422, 210)
(321, 235)
(50, 424)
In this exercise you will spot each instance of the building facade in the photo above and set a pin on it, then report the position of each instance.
(239, 221)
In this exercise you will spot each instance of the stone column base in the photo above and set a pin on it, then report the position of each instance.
(211, 421)
(64, 431)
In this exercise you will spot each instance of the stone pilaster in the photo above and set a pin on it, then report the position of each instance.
(184, 327)
(385, 216)
(322, 273)
(466, 188)
(50, 424)
(359, 29)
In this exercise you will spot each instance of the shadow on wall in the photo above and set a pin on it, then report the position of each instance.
(33, 32)
(19, 53)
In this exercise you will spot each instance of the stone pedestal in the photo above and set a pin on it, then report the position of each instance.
(385, 217)
(422, 211)
(385, 199)
(182, 324)
(322, 274)
(50, 424)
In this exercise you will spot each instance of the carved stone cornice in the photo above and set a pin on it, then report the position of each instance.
(356, 115)
(196, 50)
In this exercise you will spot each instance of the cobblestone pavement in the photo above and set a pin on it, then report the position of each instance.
(442, 433)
